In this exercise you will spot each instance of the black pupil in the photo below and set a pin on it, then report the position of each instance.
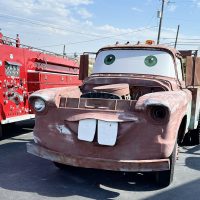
(151, 60)
(110, 59)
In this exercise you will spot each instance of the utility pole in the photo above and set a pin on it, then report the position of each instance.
(161, 18)
(64, 54)
(176, 36)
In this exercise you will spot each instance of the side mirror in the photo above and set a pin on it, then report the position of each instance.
(84, 66)
(192, 71)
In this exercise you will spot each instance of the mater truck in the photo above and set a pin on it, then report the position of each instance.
(129, 115)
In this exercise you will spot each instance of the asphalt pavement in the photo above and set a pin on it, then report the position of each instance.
(27, 177)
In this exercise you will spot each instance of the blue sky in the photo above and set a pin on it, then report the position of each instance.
(87, 25)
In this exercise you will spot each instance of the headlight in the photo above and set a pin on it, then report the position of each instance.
(39, 105)
(159, 113)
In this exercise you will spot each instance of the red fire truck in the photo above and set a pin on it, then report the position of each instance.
(23, 70)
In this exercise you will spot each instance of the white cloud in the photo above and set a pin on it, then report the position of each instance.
(50, 22)
(84, 13)
(113, 30)
(136, 9)
(89, 23)
(197, 2)
(77, 2)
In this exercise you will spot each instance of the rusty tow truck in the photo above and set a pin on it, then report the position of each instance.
(129, 115)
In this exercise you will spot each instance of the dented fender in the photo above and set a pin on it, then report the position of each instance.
(52, 96)
(173, 100)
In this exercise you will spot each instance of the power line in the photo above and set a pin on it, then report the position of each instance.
(189, 42)
(197, 44)
(48, 25)
(181, 39)
(102, 38)
(180, 43)
(185, 1)
(35, 22)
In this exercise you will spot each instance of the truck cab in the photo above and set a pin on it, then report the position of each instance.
(128, 115)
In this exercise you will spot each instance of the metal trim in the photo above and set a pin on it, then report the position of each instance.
(99, 163)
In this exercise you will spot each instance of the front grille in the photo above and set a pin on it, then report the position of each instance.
(100, 95)
(97, 103)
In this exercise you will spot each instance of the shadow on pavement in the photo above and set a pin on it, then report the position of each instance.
(192, 150)
(21, 171)
(193, 162)
(18, 128)
(190, 191)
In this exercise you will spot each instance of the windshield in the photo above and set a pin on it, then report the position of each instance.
(135, 61)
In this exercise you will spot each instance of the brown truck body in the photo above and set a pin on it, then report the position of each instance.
(117, 121)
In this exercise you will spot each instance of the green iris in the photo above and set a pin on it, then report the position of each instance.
(150, 61)
(109, 59)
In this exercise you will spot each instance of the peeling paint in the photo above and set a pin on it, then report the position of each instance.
(63, 129)
(36, 139)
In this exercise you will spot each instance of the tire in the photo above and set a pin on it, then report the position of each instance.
(192, 137)
(164, 178)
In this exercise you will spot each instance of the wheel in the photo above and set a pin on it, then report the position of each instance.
(164, 178)
(192, 137)
(198, 133)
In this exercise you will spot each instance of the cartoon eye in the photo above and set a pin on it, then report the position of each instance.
(109, 59)
(150, 61)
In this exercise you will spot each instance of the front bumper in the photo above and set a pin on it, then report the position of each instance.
(97, 163)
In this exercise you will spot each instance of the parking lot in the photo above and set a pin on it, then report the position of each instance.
(23, 176)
